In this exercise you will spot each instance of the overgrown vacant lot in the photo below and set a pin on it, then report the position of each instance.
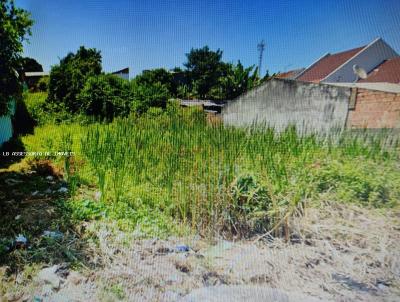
(172, 175)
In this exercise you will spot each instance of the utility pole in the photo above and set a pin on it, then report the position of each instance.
(260, 48)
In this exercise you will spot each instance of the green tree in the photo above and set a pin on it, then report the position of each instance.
(158, 75)
(235, 82)
(29, 64)
(15, 24)
(204, 68)
(105, 96)
(145, 96)
(68, 78)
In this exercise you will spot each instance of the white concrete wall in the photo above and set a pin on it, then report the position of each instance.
(281, 103)
(369, 58)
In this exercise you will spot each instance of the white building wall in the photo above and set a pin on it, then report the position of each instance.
(369, 58)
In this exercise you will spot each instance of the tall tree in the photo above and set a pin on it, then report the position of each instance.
(15, 24)
(236, 81)
(158, 75)
(68, 78)
(29, 64)
(204, 68)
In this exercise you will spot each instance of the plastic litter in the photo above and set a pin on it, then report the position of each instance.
(63, 190)
(21, 241)
(53, 234)
(182, 248)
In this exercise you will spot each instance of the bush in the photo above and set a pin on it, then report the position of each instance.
(248, 211)
(43, 84)
(35, 104)
(352, 182)
(43, 112)
(68, 78)
(148, 95)
(105, 96)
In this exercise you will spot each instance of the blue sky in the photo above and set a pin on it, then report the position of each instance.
(145, 34)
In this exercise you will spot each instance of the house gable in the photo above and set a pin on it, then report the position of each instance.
(338, 68)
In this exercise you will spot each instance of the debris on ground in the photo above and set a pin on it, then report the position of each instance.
(56, 235)
(21, 241)
(182, 248)
(49, 276)
(12, 181)
(237, 293)
(63, 190)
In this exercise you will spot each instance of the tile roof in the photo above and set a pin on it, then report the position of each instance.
(327, 64)
(388, 71)
(291, 74)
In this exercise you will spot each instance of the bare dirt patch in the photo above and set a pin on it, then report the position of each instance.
(339, 253)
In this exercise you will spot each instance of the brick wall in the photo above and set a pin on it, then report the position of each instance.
(374, 109)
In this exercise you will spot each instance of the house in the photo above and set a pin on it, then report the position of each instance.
(356, 88)
(123, 73)
(388, 72)
(339, 67)
(289, 75)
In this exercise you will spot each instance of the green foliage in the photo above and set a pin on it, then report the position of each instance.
(43, 84)
(35, 104)
(174, 167)
(352, 182)
(105, 96)
(204, 68)
(249, 206)
(30, 64)
(146, 95)
(235, 82)
(86, 210)
(68, 78)
(43, 112)
(158, 75)
(15, 24)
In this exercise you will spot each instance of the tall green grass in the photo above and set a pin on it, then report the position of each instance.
(231, 180)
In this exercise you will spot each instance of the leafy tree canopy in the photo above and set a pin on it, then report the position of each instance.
(105, 96)
(29, 64)
(235, 82)
(204, 68)
(15, 24)
(158, 75)
(69, 76)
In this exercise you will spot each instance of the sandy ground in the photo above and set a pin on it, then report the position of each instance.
(343, 253)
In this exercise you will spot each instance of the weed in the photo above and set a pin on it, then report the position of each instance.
(171, 168)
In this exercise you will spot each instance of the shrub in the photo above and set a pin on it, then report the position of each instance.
(35, 104)
(250, 202)
(68, 78)
(43, 84)
(148, 95)
(352, 182)
(105, 96)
